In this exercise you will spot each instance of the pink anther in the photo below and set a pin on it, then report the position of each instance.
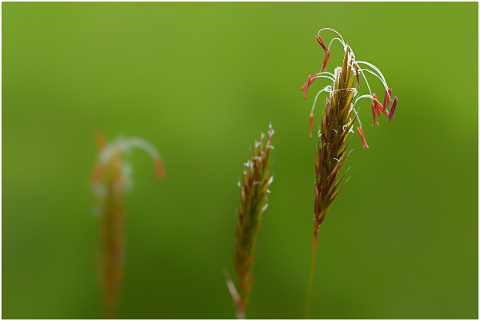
(392, 110)
(362, 136)
(327, 52)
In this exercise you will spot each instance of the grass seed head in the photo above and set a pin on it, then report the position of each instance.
(253, 190)
(111, 181)
(341, 112)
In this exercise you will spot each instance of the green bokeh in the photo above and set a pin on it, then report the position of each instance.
(201, 82)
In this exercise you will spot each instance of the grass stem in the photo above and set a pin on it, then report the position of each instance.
(308, 304)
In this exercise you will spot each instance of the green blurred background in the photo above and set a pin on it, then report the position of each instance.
(201, 82)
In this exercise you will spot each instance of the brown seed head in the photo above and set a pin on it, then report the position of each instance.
(110, 183)
(253, 202)
(338, 119)
(333, 141)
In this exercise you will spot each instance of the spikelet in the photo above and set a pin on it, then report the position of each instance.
(256, 179)
(110, 183)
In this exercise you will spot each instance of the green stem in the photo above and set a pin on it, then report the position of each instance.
(310, 282)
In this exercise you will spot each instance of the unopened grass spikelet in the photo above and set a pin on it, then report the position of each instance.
(257, 177)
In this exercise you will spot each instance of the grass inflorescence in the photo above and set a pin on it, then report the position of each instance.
(111, 182)
(341, 112)
(256, 180)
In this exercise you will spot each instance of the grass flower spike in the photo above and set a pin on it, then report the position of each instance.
(111, 181)
(256, 179)
(341, 113)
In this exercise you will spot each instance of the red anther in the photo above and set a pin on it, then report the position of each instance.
(379, 106)
(320, 41)
(311, 124)
(374, 99)
(392, 110)
(325, 60)
(386, 99)
(328, 102)
(159, 169)
(305, 86)
(362, 136)
(375, 121)
(358, 76)
(327, 52)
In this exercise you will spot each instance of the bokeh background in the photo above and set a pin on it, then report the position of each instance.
(201, 81)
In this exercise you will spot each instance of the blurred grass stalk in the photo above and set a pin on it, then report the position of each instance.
(253, 203)
(337, 122)
(111, 182)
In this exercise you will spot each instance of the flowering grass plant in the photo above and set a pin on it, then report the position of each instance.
(340, 115)
(111, 181)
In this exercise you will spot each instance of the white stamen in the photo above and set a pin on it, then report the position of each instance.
(271, 131)
(363, 96)
(327, 89)
(374, 67)
(350, 130)
(340, 40)
(318, 34)
(321, 76)
(337, 72)
(358, 117)
(382, 80)
(125, 146)
(360, 70)
(249, 163)
(141, 144)
(325, 72)
(270, 180)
